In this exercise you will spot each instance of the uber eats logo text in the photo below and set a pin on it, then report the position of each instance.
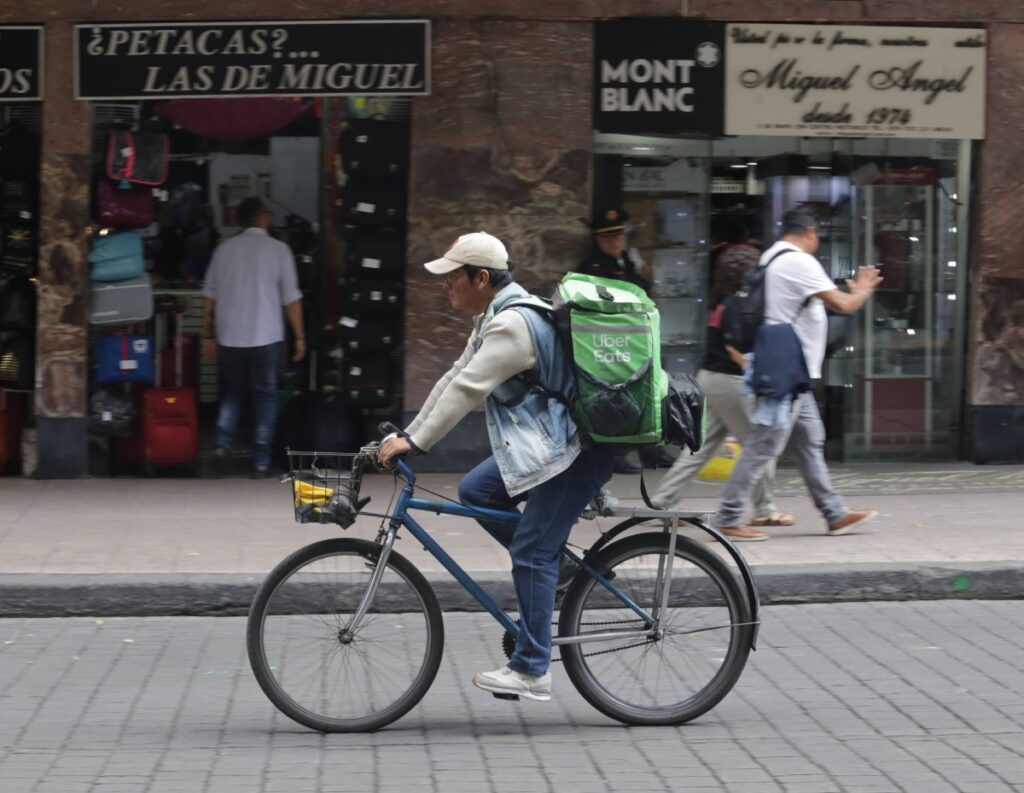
(609, 348)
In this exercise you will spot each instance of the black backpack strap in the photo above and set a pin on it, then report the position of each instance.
(765, 266)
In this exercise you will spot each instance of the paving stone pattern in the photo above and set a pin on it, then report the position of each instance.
(866, 698)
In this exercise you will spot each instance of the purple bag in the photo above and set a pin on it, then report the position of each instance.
(123, 207)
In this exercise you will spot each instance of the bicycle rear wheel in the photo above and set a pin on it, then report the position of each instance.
(318, 673)
(668, 677)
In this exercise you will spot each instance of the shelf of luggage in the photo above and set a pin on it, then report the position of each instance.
(374, 155)
(144, 376)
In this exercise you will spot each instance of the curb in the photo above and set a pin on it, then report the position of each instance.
(172, 595)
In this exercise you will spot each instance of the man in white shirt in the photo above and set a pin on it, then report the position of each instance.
(251, 276)
(797, 291)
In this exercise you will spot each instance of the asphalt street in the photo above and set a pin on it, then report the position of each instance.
(923, 697)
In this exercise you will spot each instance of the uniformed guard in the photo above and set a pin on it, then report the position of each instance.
(608, 256)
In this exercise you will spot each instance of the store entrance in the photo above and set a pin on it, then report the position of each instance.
(892, 386)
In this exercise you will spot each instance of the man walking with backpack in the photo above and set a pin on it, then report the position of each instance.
(796, 292)
(515, 364)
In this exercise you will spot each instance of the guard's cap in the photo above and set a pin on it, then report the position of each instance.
(608, 222)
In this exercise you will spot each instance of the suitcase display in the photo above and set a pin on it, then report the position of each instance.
(189, 361)
(370, 382)
(368, 335)
(371, 147)
(120, 302)
(170, 427)
(365, 297)
(373, 203)
(124, 358)
(170, 421)
(372, 253)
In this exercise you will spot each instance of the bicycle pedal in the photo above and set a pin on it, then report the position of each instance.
(509, 697)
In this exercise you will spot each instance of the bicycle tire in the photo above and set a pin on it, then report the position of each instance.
(712, 590)
(281, 605)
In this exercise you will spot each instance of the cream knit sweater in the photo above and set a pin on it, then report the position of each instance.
(505, 349)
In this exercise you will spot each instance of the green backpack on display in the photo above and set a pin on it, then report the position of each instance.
(612, 331)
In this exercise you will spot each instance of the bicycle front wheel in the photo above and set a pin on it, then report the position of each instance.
(676, 669)
(319, 672)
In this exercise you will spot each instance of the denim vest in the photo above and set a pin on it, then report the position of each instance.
(533, 436)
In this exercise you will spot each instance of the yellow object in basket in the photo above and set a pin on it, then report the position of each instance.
(308, 493)
(720, 466)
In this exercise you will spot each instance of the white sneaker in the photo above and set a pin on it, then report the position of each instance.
(506, 683)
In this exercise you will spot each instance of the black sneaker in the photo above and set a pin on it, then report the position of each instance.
(261, 472)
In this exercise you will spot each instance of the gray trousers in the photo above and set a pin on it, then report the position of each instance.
(729, 411)
(806, 435)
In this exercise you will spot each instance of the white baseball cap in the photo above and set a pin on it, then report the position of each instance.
(476, 249)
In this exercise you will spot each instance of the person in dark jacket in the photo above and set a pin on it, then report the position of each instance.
(609, 258)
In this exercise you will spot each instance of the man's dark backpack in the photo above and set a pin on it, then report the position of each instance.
(744, 311)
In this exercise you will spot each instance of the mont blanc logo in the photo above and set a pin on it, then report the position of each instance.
(708, 54)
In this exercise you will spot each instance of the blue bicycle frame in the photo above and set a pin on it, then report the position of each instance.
(407, 500)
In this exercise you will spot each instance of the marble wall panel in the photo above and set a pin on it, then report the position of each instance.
(61, 360)
(999, 354)
(503, 145)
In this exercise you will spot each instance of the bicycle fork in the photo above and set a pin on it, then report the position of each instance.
(371, 590)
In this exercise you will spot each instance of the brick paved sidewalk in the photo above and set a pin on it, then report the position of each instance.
(945, 530)
(850, 698)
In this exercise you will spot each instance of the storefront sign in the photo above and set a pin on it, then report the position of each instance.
(163, 61)
(21, 63)
(839, 81)
(658, 76)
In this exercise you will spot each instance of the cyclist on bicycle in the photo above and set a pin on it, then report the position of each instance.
(539, 456)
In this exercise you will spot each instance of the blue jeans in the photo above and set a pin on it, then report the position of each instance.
(806, 435)
(535, 543)
(249, 374)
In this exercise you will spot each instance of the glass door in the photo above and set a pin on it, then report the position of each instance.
(907, 381)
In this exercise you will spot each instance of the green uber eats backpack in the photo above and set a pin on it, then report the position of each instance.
(611, 330)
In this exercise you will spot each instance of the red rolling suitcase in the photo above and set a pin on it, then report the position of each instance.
(170, 423)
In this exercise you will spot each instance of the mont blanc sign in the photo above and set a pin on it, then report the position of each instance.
(658, 76)
(840, 81)
(328, 58)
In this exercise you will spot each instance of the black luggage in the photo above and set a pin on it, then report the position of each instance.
(370, 382)
(372, 297)
(368, 334)
(373, 253)
(17, 302)
(375, 148)
(373, 203)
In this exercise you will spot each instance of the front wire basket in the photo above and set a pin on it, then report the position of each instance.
(325, 485)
